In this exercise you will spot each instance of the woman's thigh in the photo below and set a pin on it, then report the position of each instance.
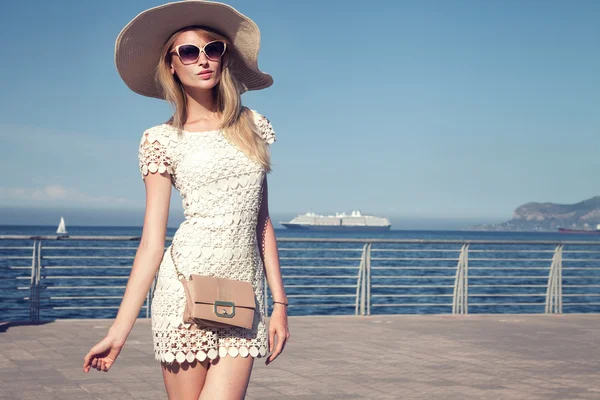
(185, 381)
(227, 378)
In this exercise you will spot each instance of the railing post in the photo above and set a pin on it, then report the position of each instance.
(460, 298)
(34, 285)
(560, 282)
(38, 280)
(363, 280)
(33, 282)
(554, 289)
(466, 280)
(358, 281)
(368, 276)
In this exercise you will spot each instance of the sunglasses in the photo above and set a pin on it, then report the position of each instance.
(190, 53)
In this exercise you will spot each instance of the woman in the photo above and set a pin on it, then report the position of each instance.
(200, 56)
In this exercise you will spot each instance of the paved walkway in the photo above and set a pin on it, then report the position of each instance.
(388, 357)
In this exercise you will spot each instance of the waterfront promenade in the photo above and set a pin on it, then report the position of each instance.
(379, 357)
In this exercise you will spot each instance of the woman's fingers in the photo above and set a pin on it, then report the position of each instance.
(271, 339)
(99, 364)
(102, 356)
(90, 359)
(283, 341)
(282, 336)
(87, 362)
(280, 344)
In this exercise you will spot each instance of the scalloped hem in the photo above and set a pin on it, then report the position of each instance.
(200, 355)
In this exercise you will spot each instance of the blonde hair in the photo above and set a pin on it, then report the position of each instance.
(238, 124)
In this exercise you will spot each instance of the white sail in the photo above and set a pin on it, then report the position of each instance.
(62, 229)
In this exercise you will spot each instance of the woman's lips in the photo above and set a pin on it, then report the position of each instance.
(205, 74)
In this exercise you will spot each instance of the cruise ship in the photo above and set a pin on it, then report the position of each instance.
(341, 222)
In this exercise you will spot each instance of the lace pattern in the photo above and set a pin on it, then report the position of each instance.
(153, 155)
(264, 127)
(220, 188)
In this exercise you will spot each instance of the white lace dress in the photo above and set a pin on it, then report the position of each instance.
(221, 190)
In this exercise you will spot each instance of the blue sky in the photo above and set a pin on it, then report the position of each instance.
(456, 109)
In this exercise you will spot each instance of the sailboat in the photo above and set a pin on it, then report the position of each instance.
(62, 229)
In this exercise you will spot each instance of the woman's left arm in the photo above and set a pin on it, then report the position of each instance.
(278, 322)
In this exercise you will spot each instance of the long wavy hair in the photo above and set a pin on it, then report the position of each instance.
(237, 121)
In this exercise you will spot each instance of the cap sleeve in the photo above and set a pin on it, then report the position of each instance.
(265, 128)
(154, 155)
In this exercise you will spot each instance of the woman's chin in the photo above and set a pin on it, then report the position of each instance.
(201, 85)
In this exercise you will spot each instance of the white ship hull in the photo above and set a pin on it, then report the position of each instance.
(355, 222)
(337, 228)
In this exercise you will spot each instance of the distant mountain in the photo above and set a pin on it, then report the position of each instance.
(550, 217)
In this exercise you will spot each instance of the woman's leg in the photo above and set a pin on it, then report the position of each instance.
(185, 381)
(227, 378)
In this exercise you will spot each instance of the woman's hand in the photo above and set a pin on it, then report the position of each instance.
(278, 326)
(103, 355)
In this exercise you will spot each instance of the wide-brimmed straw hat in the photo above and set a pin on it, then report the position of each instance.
(139, 45)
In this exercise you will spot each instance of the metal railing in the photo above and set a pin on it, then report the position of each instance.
(85, 276)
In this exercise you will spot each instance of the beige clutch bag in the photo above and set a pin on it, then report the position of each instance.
(217, 302)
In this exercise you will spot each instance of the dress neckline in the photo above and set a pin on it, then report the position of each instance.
(201, 132)
(196, 132)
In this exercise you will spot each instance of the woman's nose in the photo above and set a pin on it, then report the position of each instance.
(202, 60)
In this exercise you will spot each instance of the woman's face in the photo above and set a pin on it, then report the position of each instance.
(203, 74)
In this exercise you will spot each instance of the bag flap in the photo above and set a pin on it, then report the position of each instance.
(208, 289)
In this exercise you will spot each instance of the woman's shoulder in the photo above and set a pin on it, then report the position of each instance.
(258, 117)
(163, 134)
(265, 128)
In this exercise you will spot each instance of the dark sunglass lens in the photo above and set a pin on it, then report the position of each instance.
(214, 50)
(189, 53)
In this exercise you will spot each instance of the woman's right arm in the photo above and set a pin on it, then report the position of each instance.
(148, 256)
(145, 264)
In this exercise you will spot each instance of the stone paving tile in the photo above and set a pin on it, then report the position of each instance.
(380, 357)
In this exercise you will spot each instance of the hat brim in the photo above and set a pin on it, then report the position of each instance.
(139, 45)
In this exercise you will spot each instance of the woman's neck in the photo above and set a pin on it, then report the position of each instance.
(201, 103)
(202, 110)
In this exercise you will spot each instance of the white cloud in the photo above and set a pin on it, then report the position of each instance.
(74, 169)
(55, 194)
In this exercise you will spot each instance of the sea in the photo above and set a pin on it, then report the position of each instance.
(415, 277)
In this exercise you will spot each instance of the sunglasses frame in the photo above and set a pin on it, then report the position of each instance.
(176, 51)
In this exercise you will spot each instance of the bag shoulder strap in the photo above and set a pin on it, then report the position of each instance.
(179, 274)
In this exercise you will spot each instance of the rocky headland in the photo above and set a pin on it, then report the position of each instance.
(550, 217)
